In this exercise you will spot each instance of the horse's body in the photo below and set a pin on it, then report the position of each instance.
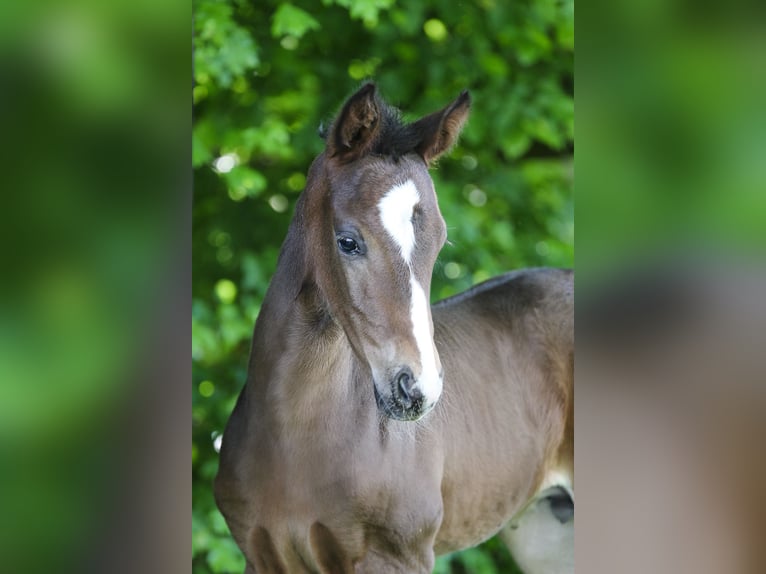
(321, 473)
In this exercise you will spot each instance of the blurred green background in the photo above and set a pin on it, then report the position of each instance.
(267, 74)
(94, 216)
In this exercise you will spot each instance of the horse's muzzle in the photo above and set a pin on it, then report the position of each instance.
(406, 402)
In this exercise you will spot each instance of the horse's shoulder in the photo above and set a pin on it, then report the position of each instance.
(531, 305)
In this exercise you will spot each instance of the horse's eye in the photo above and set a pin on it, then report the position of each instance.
(348, 245)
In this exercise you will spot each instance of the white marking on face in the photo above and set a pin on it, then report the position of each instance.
(557, 478)
(430, 382)
(396, 208)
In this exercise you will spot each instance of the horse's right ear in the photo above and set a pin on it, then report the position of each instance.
(439, 131)
(354, 130)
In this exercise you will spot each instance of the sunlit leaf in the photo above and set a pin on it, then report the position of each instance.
(291, 20)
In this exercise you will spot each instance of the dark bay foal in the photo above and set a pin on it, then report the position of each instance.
(376, 431)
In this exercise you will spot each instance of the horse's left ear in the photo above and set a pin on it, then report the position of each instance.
(356, 126)
(439, 131)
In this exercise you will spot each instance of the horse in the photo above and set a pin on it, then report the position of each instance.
(376, 431)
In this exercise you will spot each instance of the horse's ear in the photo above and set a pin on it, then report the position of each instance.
(439, 131)
(356, 126)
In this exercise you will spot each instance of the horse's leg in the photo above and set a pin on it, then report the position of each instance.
(541, 540)
(377, 563)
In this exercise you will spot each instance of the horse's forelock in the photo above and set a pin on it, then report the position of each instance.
(395, 138)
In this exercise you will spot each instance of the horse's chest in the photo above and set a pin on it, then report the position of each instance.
(317, 523)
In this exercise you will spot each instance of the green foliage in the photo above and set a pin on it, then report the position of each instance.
(223, 50)
(268, 73)
(289, 20)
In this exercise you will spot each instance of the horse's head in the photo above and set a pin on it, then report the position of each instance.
(380, 236)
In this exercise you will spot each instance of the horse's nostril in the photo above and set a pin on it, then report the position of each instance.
(404, 384)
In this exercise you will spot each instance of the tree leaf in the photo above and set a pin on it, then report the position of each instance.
(292, 21)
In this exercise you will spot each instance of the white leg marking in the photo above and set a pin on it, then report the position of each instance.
(396, 208)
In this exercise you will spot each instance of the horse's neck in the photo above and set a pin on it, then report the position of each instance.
(302, 369)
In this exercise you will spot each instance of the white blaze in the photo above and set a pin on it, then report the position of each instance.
(430, 382)
(396, 208)
(557, 478)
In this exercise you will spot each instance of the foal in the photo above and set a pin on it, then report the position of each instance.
(376, 431)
